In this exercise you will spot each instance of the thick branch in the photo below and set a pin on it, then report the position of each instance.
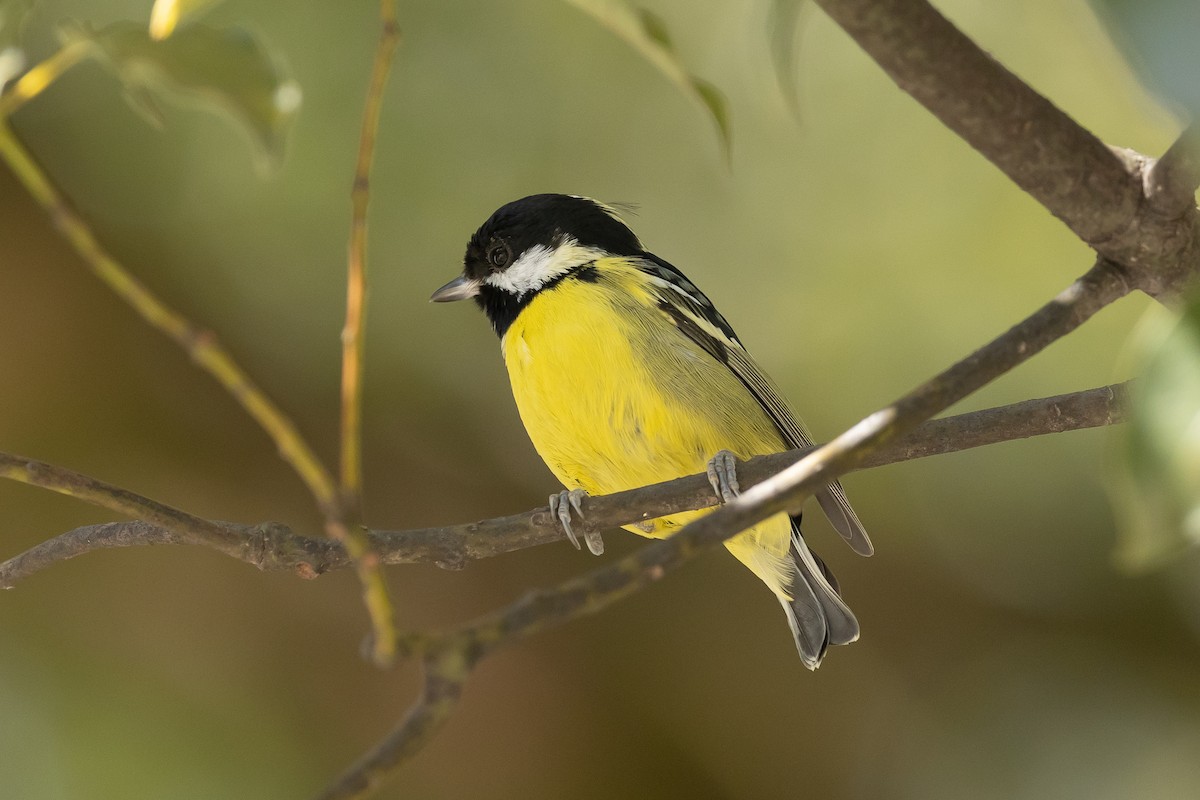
(1100, 194)
(1045, 152)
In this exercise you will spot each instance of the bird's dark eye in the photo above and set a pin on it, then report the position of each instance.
(499, 255)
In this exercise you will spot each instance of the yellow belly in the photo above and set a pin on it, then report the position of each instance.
(613, 397)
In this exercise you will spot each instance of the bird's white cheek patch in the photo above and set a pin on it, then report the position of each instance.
(541, 264)
(533, 269)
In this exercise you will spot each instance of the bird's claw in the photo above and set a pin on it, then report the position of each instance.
(561, 504)
(722, 475)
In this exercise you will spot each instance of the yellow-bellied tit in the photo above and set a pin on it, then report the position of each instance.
(625, 375)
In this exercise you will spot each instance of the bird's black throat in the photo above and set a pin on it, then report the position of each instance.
(502, 307)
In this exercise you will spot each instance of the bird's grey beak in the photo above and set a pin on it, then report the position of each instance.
(460, 288)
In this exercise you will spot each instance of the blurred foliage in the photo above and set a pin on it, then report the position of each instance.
(12, 14)
(229, 68)
(646, 33)
(783, 20)
(1158, 37)
(1156, 481)
(1002, 655)
(167, 15)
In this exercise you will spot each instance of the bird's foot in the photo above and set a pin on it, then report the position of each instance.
(561, 504)
(722, 475)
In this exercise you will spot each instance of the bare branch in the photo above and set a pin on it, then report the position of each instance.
(445, 675)
(1171, 183)
(274, 546)
(1044, 151)
(187, 528)
(1099, 192)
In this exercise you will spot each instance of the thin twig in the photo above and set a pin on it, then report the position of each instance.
(356, 283)
(41, 76)
(201, 345)
(344, 528)
(446, 674)
(273, 546)
(189, 529)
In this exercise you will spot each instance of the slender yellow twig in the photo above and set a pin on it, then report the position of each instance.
(31, 84)
(375, 596)
(356, 283)
(200, 344)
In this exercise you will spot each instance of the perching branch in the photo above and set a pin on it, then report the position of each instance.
(274, 546)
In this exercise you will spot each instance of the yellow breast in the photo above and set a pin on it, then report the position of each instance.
(614, 396)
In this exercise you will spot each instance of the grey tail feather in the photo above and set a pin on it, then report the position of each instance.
(816, 614)
(837, 509)
(807, 622)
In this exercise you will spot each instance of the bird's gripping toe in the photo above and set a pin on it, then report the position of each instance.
(561, 504)
(722, 475)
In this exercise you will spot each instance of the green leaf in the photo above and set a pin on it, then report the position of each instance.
(1159, 40)
(228, 69)
(647, 34)
(1155, 486)
(783, 20)
(168, 15)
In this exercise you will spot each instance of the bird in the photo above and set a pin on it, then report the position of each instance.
(625, 374)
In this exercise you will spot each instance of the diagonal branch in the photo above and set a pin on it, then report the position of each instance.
(273, 546)
(201, 345)
(1044, 151)
(1171, 183)
(204, 349)
(445, 677)
(1105, 196)
(785, 491)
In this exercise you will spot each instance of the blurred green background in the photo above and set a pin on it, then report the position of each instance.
(856, 250)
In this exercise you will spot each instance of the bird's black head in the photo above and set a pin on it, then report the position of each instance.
(529, 245)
